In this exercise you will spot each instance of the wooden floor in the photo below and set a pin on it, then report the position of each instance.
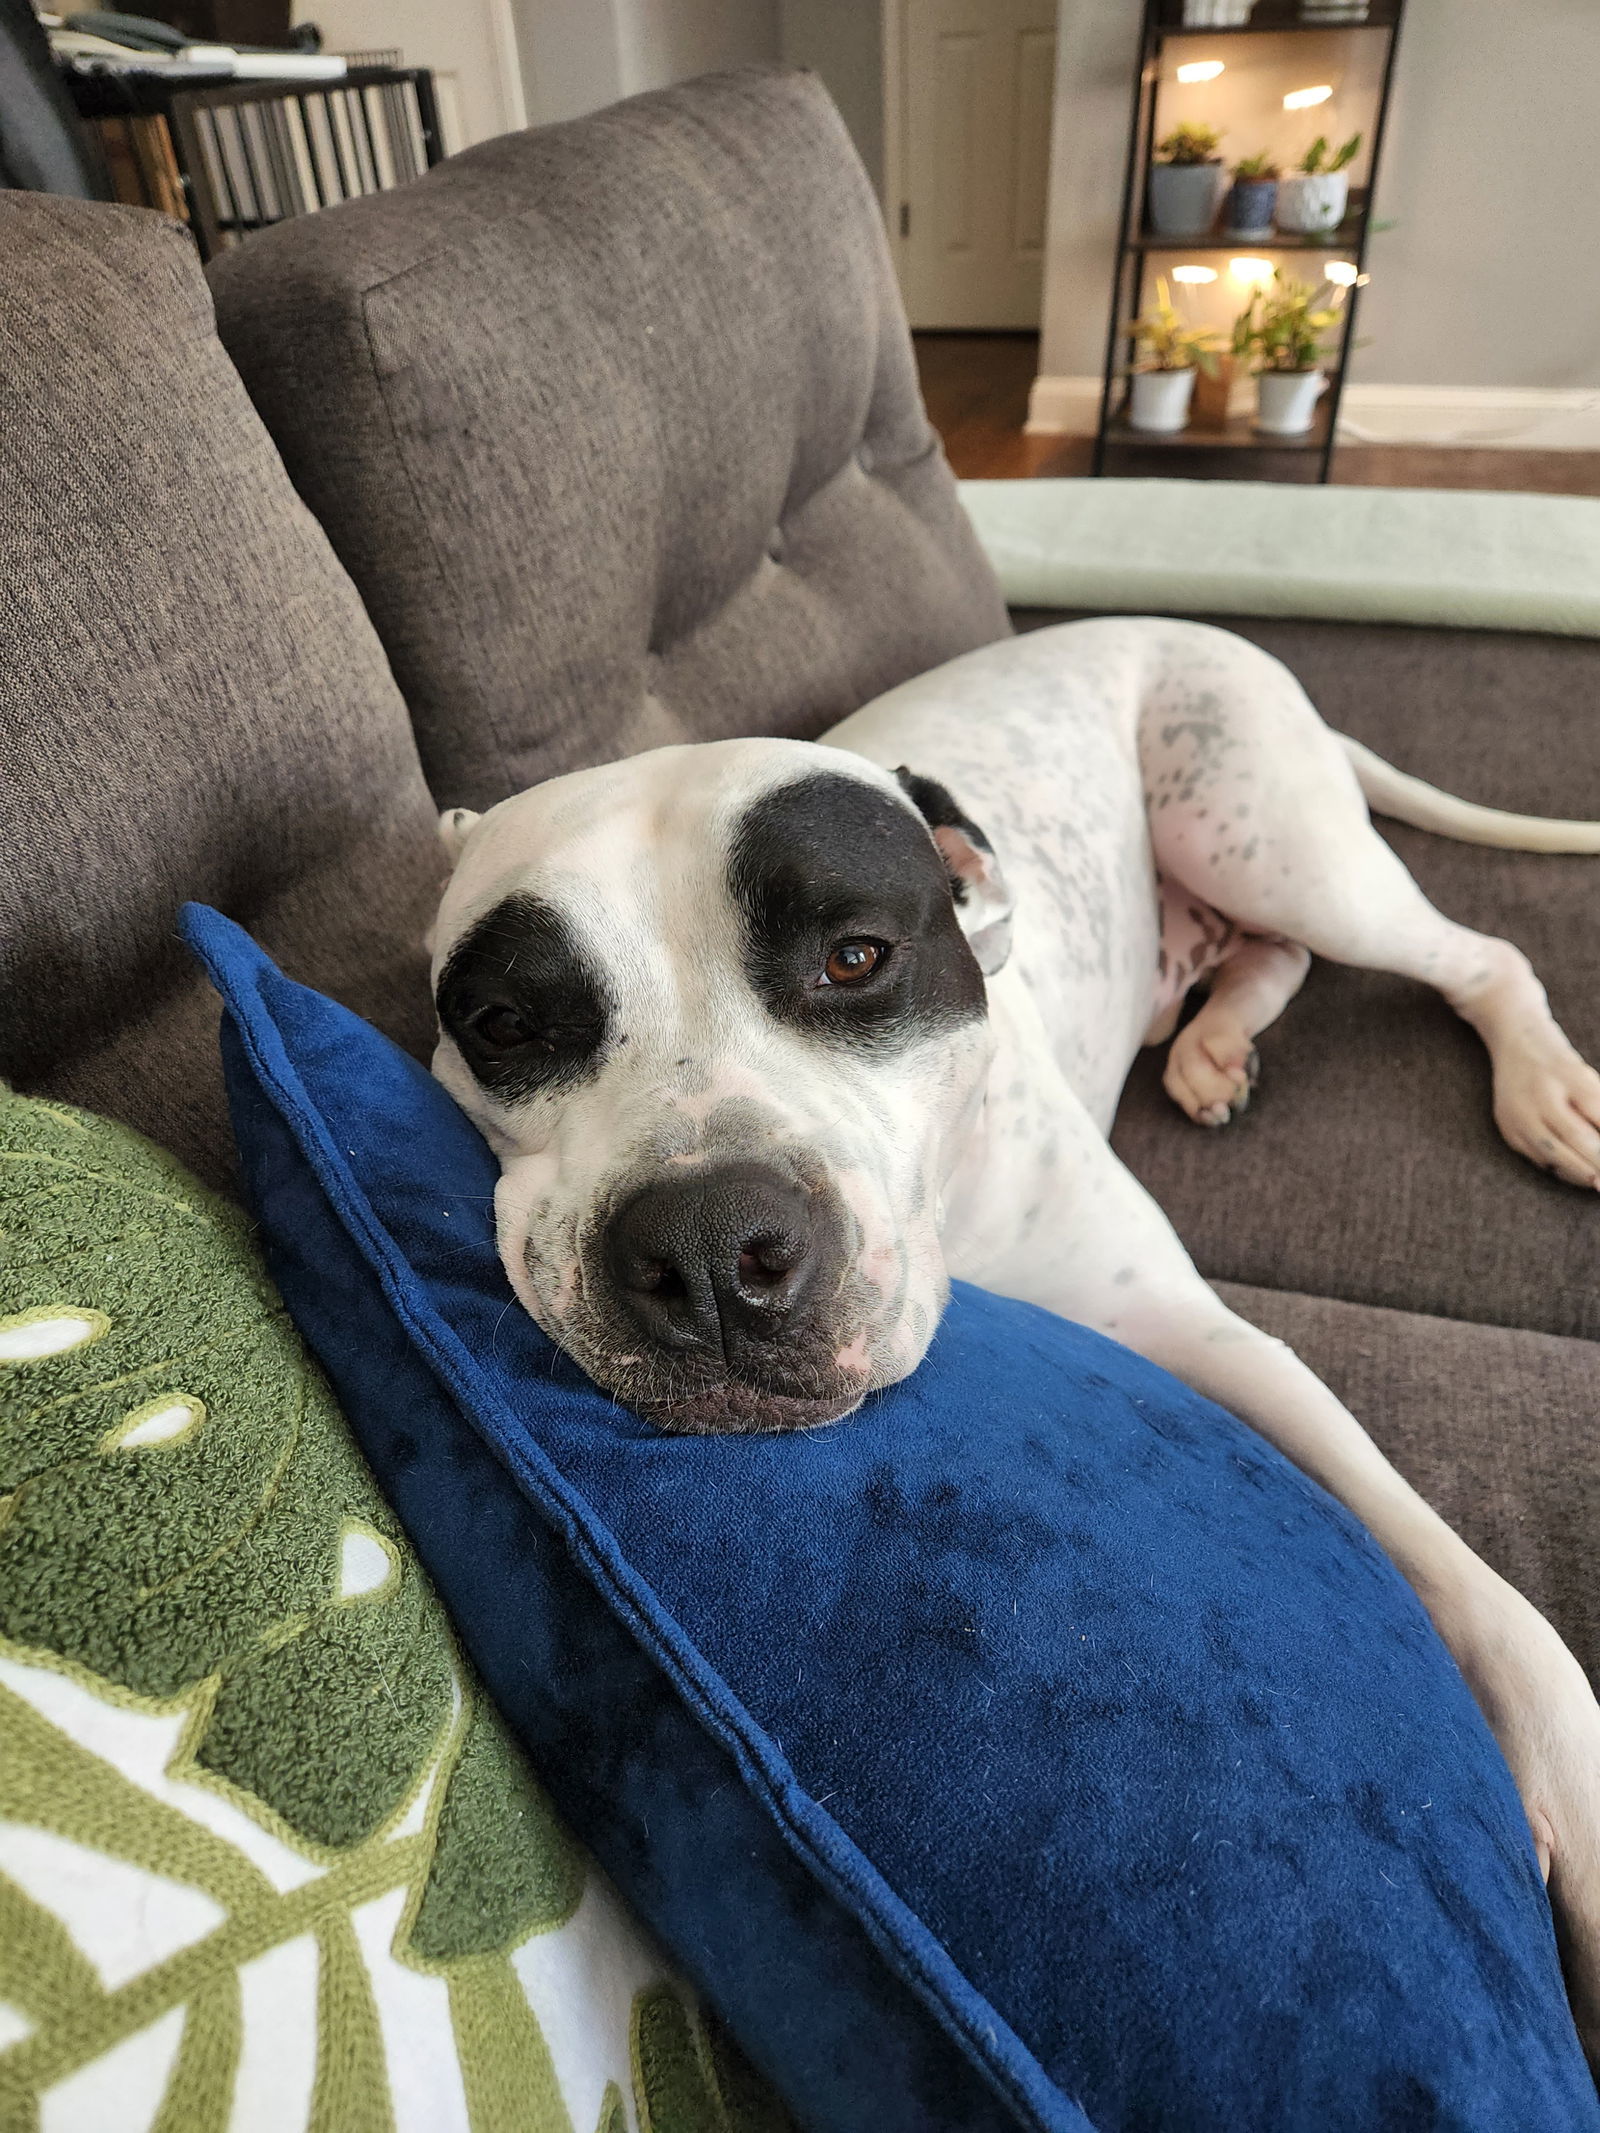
(976, 386)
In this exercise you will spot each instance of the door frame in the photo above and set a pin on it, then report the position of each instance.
(891, 25)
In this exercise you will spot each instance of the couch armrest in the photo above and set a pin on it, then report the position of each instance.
(1465, 559)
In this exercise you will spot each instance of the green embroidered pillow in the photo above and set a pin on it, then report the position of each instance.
(267, 1856)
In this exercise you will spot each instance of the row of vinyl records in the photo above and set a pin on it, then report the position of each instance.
(272, 157)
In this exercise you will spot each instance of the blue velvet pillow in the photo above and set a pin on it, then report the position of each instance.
(1035, 1748)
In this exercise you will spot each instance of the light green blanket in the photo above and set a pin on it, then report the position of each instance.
(1474, 559)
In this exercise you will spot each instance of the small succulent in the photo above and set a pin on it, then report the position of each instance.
(1189, 144)
(1165, 342)
(1282, 326)
(1317, 161)
(1257, 166)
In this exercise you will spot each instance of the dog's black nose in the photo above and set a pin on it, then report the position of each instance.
(716, 1261)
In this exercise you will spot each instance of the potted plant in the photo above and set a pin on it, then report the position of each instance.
(1164, 371)
(1253, 197)
(1220, 361)
(1186, 182)
(1281, 328)
(1314, 196)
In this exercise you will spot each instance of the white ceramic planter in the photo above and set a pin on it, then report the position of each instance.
(1184, 198)
(1160, 400)
(1286, 401)
(1217, 14)
(1312, 202)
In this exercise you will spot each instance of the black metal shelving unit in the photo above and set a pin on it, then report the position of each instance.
(230, 157)
(1238, 452)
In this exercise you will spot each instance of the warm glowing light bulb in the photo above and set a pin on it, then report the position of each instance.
(1200, 70)
(1303, 99)
(1251, 270)
(1194, 273)
(1340, 272)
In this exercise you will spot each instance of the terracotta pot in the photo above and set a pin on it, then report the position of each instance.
(1209, 408)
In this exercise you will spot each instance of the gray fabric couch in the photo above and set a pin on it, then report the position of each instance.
(614, 431)
(616, 427)
(192, 701)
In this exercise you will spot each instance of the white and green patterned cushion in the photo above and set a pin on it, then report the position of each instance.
(268, 1860)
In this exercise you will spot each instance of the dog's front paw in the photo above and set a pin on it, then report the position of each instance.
(1211, 1069)
(1545, 1717)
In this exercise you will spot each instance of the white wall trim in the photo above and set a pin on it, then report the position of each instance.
(1523, 418)
(503, 29)
(1520, 417)
(1064, 407)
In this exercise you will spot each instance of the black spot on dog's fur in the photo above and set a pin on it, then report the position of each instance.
(829, 859)
(520, 966)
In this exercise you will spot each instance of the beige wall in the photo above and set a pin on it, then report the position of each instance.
(664, 41)
(579, 54)
(1491, 276)
(842, 40)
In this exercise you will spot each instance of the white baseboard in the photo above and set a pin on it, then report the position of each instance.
(1521, 418)
(1514, 417)
(1063, 407)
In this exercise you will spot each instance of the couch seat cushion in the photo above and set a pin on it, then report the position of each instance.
(1493, 1425)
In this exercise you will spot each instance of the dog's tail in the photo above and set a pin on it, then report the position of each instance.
(1406, 799)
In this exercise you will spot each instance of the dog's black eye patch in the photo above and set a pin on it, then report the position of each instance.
(527, 1011)
(831, 861)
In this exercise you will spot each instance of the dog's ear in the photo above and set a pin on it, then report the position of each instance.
(982, 900)
(455, 826)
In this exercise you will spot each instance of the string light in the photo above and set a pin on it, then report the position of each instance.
(1255, 271)
(1194, 273)
(1200, 70)
(1303, 99)
(1340, 272)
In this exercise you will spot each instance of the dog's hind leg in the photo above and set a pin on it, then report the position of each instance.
(1255, 809)
(1211, 1067)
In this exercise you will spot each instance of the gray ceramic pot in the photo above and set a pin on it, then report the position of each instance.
(1184, 198)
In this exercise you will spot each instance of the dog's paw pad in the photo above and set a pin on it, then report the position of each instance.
(1211, 1074)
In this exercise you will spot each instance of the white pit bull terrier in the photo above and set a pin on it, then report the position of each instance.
(771, 1040)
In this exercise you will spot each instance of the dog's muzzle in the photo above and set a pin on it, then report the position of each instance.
(729, 1278)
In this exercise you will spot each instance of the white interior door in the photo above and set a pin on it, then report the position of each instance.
(969, 88)
(471, 46)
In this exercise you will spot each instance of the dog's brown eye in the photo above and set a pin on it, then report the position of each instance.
(502, 1029)
(852, 961)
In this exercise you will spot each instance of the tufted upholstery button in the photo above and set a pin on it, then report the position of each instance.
(776, 545)
(866, 458)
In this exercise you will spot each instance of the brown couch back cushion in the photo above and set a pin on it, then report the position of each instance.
(616, 426)
(192, 702)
